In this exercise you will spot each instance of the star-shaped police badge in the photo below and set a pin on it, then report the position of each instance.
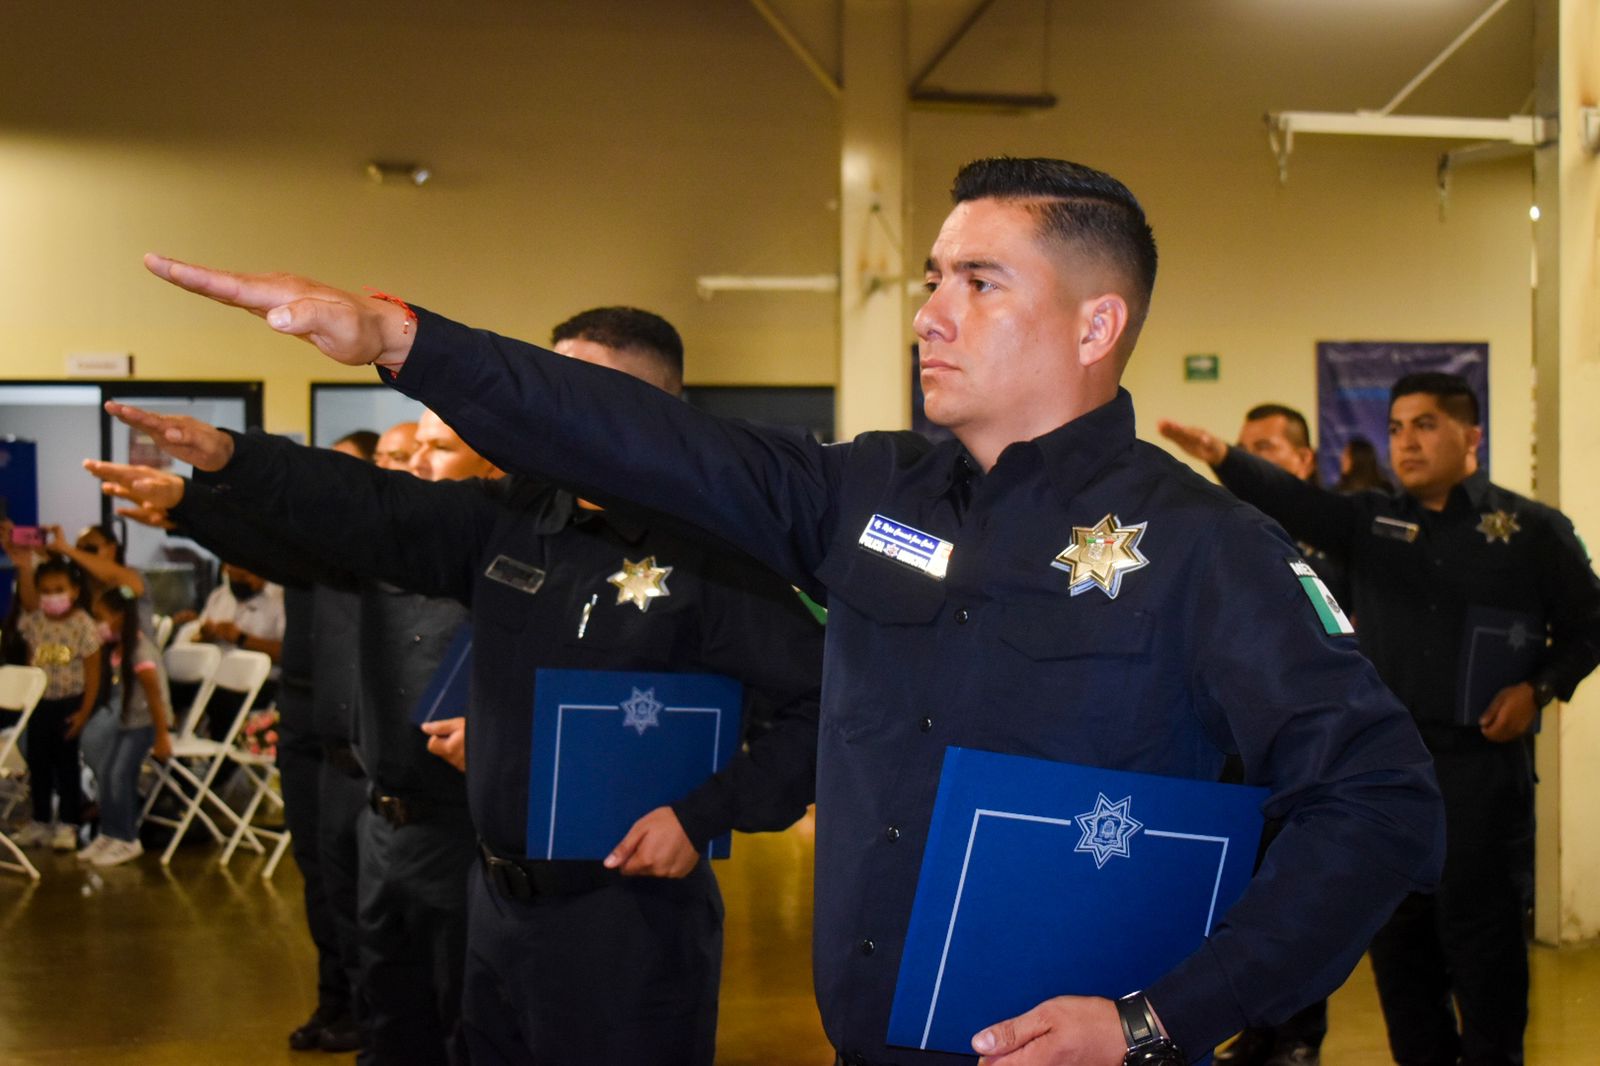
(1107, 829)
(1101, 554)
(639, 583)
(1498, 525)
(641, 711)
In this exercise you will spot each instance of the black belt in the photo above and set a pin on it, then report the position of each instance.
(342, 757)
(529, 879)
(398, 811)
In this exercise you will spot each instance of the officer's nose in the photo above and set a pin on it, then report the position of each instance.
(933, 320)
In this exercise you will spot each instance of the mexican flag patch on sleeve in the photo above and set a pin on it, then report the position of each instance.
(1334, 621)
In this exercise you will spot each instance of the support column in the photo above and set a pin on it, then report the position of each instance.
(874, 357)
(1566, 333)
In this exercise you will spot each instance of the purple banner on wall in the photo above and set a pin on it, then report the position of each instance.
(1353, 381)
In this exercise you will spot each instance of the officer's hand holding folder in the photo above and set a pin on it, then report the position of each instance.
(609, 746)
(1043, 879)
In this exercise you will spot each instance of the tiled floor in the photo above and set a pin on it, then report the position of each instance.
(138, 966)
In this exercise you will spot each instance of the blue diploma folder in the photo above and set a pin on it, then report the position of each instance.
(1045, 879)
(446, 695)
(1499, 648)
(610, 746)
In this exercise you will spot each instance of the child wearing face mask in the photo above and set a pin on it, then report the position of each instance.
(62, 638)
(139, 698)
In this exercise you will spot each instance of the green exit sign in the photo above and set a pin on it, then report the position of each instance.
(1202, 367)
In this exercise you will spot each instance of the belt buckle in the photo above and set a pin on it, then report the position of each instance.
(392, 809)
(510, 878)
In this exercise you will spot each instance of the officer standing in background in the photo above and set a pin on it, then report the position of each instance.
(1478, 606)
(1087, 600)
(569, 961)
(414, 837)
(1279, 434)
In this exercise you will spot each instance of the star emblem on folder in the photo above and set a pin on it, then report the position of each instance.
(639, 583)
(1101, 554)
(1498, 525)
(1107, 829)
(641, 711)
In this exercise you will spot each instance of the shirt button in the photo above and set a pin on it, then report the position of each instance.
(416, 638)
(868, 947)
(925, 725)
(892, 833)
(962, 614)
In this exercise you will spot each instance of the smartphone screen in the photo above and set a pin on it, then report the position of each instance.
(27, 536)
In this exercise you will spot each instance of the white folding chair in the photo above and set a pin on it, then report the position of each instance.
(261, 771)
(197, 759)
(21, 688)
(187, 664)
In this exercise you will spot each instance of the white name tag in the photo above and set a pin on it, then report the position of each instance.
(920, 551)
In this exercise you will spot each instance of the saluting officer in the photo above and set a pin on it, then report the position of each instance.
(570, 962)
(1478, 606)
(415, 842)
(1076, 596)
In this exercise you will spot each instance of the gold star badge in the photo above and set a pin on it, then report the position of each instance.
(1100, 554)
(1498, 525)
(639, 583)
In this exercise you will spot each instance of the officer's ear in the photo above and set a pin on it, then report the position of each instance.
(1103, 320)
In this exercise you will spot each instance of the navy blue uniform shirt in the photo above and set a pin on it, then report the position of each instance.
(722, 614)
(1417, 575)
(1211, 648)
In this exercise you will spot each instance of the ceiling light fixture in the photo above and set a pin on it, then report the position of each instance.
(381, 171)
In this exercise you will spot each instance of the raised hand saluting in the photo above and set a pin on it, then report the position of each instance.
(349, 328)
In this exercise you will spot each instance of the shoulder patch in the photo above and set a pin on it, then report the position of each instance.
(1334, 621)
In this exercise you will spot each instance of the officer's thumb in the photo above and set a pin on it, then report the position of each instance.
(623, 851)
(1005, 1037)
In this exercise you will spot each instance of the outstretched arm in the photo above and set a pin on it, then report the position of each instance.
(419, 535)
(599, 431)
(1310, 513)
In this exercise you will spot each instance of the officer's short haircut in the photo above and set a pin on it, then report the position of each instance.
(626, 329)
(1299, 432)
(1455, 396)
(364, 441)
(1084, 209)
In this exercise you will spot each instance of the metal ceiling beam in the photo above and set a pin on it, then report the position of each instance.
(824, 76)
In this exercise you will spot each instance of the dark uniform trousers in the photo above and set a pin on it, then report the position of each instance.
(341, 797)
(413, 923)
(627, 973)
(1468, 938)
(300, 769)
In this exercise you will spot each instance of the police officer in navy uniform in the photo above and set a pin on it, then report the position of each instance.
(575, 962)
(413, 835)
(1081, 597)
(324, 786)
(1478, 606)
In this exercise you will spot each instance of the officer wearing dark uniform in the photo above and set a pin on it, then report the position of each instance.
(413, 836)
(1478, 607)
(1085, 598)
(573, 962)
(323, 785)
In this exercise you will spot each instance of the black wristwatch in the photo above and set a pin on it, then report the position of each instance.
(1146, 1045)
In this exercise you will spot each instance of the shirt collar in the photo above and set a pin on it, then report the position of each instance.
(1080, 449)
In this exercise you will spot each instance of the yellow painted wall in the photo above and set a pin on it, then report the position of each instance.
(610, 153)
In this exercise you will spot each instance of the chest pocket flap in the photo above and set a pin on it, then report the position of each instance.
(882, 589)
(1062, 628)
